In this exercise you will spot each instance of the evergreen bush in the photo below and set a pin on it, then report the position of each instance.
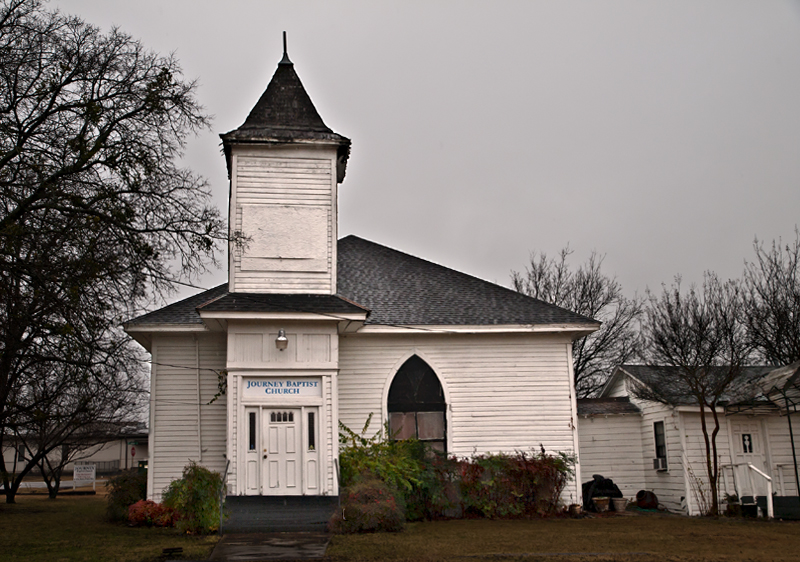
(125, 490)
(195, 498)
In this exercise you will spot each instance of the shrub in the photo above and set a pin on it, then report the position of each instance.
(368, 506)
(522, 484)
(395, 462)
(195, 499)
(438, 491)
(150, 513)
(432, 485)
(124, 491)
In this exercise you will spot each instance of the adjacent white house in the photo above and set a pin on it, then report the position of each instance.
(121, 451)
(312, 330)
(644, 445)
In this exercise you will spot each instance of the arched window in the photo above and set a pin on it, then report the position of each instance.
(416, 404)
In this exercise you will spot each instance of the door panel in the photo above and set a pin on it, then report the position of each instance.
(748, 448)
(282, 452)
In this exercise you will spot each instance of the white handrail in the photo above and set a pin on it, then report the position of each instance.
(770, 511)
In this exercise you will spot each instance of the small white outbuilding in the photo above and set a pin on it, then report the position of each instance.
(644, 445)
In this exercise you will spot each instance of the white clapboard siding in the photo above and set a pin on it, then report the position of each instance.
(695, 452)
(505, 392)
(780, 449)
(184, 429)
(213, 415)
(276, 179)
(618, 388)
(612, 446)
(670, 486)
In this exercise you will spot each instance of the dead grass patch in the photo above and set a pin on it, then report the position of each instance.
(645, 537)
(74, 528)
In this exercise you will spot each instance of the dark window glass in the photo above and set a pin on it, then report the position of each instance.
(312, 436)
(416, 404)
(272, 417)
(747, 443)
(252, 431)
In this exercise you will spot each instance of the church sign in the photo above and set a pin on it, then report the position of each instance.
(280, 387)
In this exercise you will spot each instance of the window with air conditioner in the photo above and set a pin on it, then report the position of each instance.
(660, 462)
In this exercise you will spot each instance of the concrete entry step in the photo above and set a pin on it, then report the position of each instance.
(278, 514)
(271, 546)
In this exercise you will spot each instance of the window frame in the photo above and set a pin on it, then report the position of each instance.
(661, 451)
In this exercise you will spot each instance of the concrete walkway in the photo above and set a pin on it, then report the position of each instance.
(253, 547)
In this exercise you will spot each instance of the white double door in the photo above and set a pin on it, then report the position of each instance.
(279, 447)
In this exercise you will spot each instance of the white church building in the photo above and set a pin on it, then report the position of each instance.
(311, 330)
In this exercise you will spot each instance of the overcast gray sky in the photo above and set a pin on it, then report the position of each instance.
(665, 135)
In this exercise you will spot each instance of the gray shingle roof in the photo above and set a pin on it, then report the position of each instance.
(181, 312)
(744, 389)
(606, 406)
(252, 302)
(396, 289)
(284, 113)
(403, 289)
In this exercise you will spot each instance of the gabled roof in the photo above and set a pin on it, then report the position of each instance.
(395, 288)
(401, 289)
(744, 390)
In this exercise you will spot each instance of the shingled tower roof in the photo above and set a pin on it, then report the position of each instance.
(283, 114)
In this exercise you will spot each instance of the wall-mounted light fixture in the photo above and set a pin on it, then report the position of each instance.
(281, 342)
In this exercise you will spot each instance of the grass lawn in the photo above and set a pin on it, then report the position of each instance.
(37, 529)
(615, 538)
(74, 528)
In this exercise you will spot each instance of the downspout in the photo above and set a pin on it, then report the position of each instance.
(197, 372)
(573, 421)
(791, 438)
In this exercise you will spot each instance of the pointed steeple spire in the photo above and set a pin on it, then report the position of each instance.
(284, 112)
(285, 59)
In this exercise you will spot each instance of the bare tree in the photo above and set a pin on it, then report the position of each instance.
(698, 340)
(64, 413)
(95, 215)
(772, 301)
(589, 292)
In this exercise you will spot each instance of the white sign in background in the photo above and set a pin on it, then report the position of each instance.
(281, 387)
(83, 474)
